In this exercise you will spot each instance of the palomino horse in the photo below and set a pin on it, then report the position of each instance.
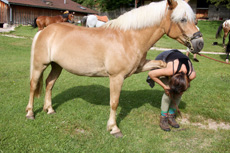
(94, 21)
(43, 21)
(116, 50)
(226, 28)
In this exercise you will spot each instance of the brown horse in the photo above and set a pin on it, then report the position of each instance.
(43, 21)
(226, 28)
(116, 50)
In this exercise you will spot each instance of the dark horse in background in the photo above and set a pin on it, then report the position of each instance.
(226, 28)
(43, 21)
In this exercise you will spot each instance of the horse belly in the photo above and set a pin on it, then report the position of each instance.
(81, 64)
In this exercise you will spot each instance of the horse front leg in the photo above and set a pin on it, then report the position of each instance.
(151, 64)
(115, 89)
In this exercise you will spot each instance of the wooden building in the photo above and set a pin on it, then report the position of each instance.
(25, 11)
(202, 9)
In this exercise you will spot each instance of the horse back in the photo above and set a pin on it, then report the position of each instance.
(226, 25)
(47, 20)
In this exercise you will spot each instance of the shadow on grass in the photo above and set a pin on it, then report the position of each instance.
(223, 57)
(99, 95)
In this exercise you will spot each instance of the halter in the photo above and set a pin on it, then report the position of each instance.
(187, 38)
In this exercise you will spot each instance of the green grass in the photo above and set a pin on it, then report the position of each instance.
(82, 106)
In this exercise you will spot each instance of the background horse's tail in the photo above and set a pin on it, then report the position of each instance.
(83, 21)
(39, 85)
(35, 24)
(219, 30)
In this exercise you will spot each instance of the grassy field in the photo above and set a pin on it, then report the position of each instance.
(82, 106)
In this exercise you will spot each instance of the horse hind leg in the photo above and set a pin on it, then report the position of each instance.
(36, 82)
(50, 81)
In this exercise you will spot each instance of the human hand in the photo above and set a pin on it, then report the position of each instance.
(166, 88)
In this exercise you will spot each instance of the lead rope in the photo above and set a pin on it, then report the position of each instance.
(177, 108)
(212, 58)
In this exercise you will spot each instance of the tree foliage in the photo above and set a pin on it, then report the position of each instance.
(220, 2)
(105, 5)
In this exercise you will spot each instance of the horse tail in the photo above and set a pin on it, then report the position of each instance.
(38, 89)
(219, 30)
(83, 21)
(35, 23)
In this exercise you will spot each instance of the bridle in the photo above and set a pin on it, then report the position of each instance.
(188, 40)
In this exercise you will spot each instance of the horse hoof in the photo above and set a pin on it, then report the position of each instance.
(118, 135)
(30, 117)
(52, 112)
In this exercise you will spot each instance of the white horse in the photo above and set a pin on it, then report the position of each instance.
(92, 21)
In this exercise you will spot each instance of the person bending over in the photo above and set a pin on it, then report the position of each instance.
(175, 80)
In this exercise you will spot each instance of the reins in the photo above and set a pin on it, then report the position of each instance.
(212, 58)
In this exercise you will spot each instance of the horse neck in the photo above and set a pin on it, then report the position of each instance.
(152, 34)
(147, 37)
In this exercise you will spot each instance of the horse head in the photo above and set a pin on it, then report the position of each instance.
(180, 24)
(70, 17)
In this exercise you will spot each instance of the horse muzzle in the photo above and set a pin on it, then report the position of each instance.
(195, 43)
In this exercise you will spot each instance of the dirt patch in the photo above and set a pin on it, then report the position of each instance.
(208, 124)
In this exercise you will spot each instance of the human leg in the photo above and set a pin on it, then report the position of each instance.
(172, 113)
(194, 58)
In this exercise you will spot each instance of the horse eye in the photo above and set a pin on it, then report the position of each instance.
(183, 20)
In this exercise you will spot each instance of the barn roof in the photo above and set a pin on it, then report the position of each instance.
(53, 4)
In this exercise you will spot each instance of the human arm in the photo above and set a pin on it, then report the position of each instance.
(155, 74)
(192, 76)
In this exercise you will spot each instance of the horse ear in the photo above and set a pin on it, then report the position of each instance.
(186, 1)
(172, 4)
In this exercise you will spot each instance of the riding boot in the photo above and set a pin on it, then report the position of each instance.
(172, 121)
(195, 59)
(164, 123)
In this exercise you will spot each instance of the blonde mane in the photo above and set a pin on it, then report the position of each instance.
(150, 15)
(183, 10)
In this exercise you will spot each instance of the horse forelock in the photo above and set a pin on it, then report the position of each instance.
(183, 10)
(144, 16)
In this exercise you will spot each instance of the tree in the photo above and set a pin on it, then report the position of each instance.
(220, 2)
(105, 5)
